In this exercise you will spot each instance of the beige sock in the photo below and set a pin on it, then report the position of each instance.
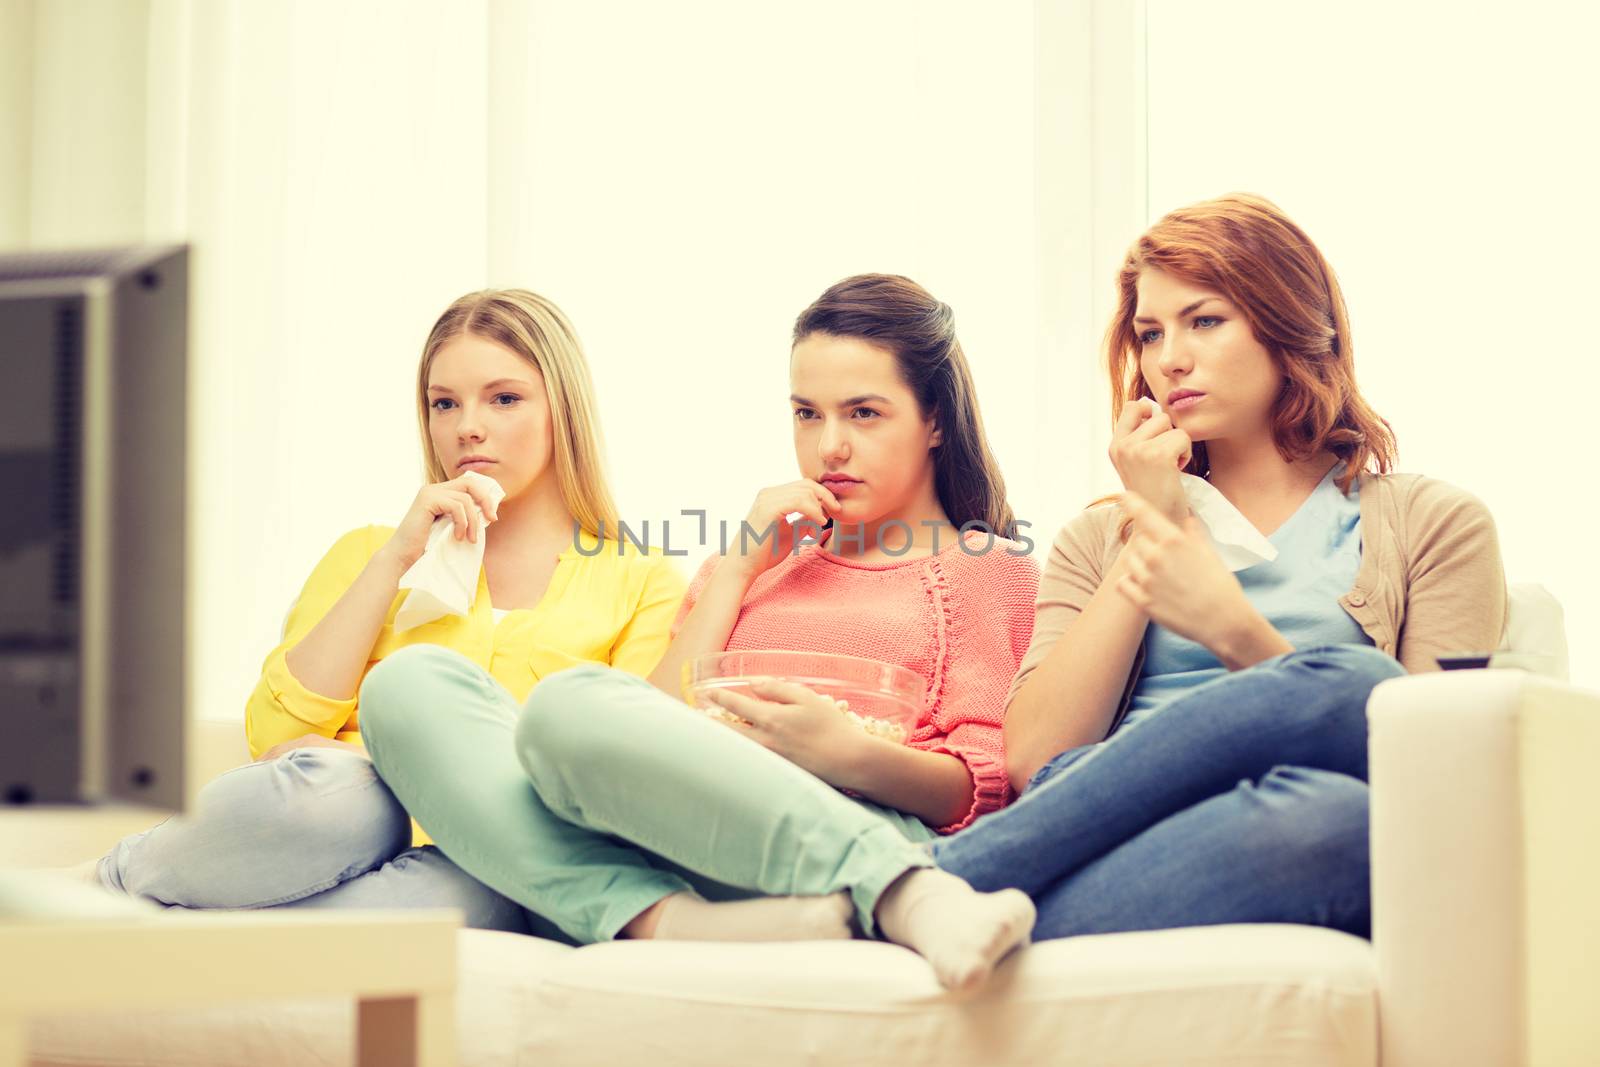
(961, 932)
(688, 917)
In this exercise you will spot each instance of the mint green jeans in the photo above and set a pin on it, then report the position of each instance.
(601, 795)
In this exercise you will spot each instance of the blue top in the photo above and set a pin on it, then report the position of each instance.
(1319, 551)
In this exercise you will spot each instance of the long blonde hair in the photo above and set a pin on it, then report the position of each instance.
(536, 330)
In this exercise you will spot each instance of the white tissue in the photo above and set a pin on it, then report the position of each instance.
(1239, 543)
(444, 580)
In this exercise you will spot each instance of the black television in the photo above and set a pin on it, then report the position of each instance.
(93, 451)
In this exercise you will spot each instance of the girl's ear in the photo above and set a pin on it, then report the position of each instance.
(937, 438)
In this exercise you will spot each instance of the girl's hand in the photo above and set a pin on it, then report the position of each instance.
(308, 741)
(804, 727)
(1149, 452)
(769, 536)
(458, 500)
(1174, 576)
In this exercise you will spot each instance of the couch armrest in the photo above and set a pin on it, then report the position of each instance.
(1486, 869)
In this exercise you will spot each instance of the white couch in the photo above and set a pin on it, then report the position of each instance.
(1486, 950)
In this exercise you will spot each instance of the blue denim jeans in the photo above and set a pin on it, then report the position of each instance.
(314, 828)
(1243, 800)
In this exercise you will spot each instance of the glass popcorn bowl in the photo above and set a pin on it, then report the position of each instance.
(880, 698)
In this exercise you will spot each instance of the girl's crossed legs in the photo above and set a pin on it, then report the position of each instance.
(1244, 800)
(603, 796)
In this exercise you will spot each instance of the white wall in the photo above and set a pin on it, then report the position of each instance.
(1443, 162)
(689, 177)
(16, 118)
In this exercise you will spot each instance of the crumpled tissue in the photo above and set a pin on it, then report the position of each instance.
(1239, 543)
(444, 579)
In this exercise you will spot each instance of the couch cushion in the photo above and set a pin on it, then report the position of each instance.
(1230, 995)
(1218, 995)
(1536, 632)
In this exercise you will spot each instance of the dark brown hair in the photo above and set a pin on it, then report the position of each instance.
(902, 317)
(1245, 248)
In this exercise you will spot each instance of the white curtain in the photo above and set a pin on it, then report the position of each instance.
(684, 179)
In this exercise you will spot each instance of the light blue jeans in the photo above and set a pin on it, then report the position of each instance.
(314, 828)
(1243, 800)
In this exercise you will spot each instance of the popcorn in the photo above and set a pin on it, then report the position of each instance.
(711, 711)
(892, 732)
(889, 731)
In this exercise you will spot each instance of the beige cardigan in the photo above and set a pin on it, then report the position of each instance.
(1430, 581)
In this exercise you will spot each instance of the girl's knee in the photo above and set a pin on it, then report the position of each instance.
(1360, 667)
(386, 692)
(563, 711)
(332, 799)
(1328, 689)
(572, 687)
(565, 727)
(392, 679)
(302, 779)
(269, 831)
(1319, 818)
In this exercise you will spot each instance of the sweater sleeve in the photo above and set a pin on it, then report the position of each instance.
(692, 594)
(645, 636)
(1455, 582)
(1072, 574)
(280, 708)
(989, 612)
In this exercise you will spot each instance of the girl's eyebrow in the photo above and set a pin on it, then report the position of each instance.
(852, 402)
(491, 385)
(1197, 304)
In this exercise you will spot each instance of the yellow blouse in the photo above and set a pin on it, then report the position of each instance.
(615, 606)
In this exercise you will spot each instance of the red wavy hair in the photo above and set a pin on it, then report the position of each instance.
(1245, 248)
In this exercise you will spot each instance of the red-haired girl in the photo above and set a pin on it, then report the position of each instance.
(1190, 741)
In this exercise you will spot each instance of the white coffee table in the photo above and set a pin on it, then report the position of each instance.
(400, 966)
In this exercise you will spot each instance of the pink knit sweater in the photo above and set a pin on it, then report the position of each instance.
(960, 619)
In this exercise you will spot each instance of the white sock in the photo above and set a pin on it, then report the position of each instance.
(688, 917)
(961, 932)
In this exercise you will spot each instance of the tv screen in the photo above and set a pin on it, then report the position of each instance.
(93, 451)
